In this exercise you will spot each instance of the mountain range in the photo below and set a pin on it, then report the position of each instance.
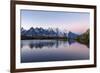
(46, 33)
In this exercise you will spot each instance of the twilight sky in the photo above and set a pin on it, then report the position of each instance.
(66, 21)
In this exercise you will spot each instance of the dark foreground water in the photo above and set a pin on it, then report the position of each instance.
(52, 50)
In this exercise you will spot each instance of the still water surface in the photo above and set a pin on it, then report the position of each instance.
(52, 50)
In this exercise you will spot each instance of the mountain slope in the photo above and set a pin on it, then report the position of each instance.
(84, 38)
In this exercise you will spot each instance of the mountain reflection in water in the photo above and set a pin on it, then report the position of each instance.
(52, 50)
(45, 43)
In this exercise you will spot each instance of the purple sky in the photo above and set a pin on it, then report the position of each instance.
(65, 21)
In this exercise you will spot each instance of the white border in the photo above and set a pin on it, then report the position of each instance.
(59, 63)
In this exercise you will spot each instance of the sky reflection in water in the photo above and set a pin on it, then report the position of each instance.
(52, 50)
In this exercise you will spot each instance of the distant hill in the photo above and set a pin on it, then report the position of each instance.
(72, 35)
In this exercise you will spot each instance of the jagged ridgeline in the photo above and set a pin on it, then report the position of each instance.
(41, 33)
